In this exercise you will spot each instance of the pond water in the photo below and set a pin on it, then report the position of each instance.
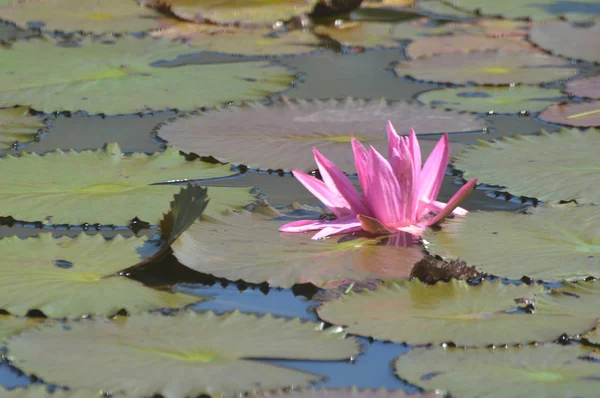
(347, 72)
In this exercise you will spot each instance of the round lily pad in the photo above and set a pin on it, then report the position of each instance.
(580, 10)
(18, 125)
(249, 246)
(104, 186)
(567, 40)
(518, 99)
(581, 297)
(548, 370)
(41, 391)
(281, 135)
(118, 78)
(428, 46)
(233, 40)
(488, 67)
(436, 7)
(10, 325)
(233, 11)
(552, 243)
(352, 392)
(589, 87)
(71, 277)
(98, 16)
(178, 356)
(584, 114)
(414, 313)
(550, 167)
(388, 3)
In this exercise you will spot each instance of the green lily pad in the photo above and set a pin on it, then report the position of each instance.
(579, 298)
(17, 125)
(352, 392)
(104, 186)
(583, 114)
(589, 87)
(580, 10)
(438, 8)
(249, 246)
(10, 325)
(71, 277)
(98, 16)
(234, 40)
(516, 99)
(414, 313)
(233, 11)
(567, 40)
(548, 370)
(488, 67)
(178, 356)
(550, 167)
(37, 391)
(552, 244)
(281, 135)
(117, 78)
(428, 46)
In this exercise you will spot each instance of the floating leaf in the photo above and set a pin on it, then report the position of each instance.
(226, 39)
(580, 10)
(233, 11)
(17, 125)
(378, 34)
(352, 392)
(571, 41)
(488, 67)
(104, 186)
(414, 313)
(516, 99)
(388, 3)
(429, 46)
(552, 244)
(558, 166)
(548, 370)
(10, 325)
(41, 391)
(579, 298)
(250, 247)
(438, 8)
(71, 277)
(117, 78)
(584, 114)
(589, 87)
(178, 356)
(98, 16)
(281, 135)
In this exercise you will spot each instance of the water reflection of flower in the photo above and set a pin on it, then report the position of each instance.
(398, 194)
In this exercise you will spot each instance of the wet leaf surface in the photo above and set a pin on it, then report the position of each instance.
(552, 244)
(585, 114)
(550, 370)
(553, 167)
(281, 136)
(158, 354)
(90, 76)
(414, 313)
(17, 125)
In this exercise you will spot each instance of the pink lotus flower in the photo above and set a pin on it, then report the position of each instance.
(398, 195)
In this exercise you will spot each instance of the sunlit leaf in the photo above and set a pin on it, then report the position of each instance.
(281, 135)
(388, 3)
(583, 114)
(428, 46)
(438, 8)
(488, 67)
(580, 10)
(10, 325)
(233, 11)
(41, 391)
(234, 40)
(98, 16)
(346, 393)
(555, 167)
(118, 78)
(517, 99)
(249, 246)
(567, 40)
(455, 312)
(104, 186)
(548, 370)
(552, 244)
(178, 356)
(589, 87)
(17, 125)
